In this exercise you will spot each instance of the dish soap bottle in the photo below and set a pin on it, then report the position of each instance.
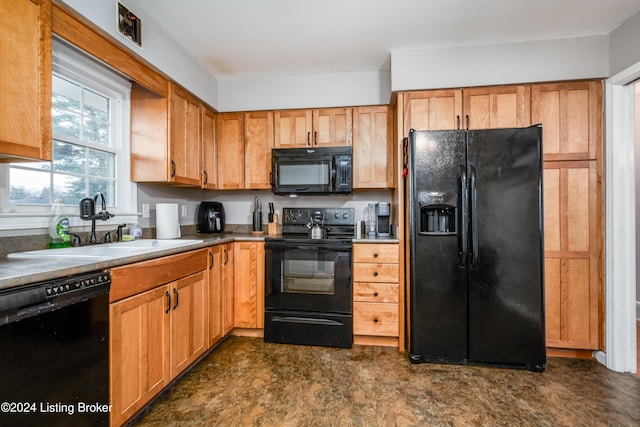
(136, 231)
(59, 226)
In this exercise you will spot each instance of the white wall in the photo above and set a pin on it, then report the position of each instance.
(158, 49)
(308, 91)
(562, 59)
(624, 48)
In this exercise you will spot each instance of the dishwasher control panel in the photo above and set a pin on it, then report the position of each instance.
(75, 283)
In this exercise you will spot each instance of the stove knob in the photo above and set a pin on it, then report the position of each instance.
(336, 215)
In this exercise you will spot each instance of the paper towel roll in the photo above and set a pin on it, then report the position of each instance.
(167, 221)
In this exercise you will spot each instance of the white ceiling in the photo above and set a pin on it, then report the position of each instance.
(249, 38)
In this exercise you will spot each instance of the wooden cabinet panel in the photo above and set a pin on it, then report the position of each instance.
(227, 264)
(332, 126)
(371, 252)
(497, 107)
(25, 80)
(139, 356)
(184, 136)
(373, 159)
(215, 294)
(209, 151)
(571, 117)
(375, 292)
(371, 318)
(432, 110)
(230, 154)
(248, 308)
(571, 222)
(188, 321)
(257, 152)
(292, 128)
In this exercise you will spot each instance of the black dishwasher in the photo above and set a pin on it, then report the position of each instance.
(54, 352)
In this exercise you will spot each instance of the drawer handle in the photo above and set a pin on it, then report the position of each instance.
(375, 320)
(375, 294)
(375, 254)
(375, 273)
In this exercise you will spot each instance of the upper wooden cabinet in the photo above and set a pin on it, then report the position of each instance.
(306, 128)
(25, 80)
(496, 107)
(373, 164)
(230, 150)
(209, 150)
(184, 132)
(258, 142)
(571, 117)
(432, 110)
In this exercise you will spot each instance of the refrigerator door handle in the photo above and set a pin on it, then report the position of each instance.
(474, 218)
(463, 232)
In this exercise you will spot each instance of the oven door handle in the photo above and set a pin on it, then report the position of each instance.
(306, 320)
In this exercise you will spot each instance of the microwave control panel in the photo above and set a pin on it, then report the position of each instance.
(343, 173)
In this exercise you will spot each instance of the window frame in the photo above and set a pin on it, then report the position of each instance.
(68, 62)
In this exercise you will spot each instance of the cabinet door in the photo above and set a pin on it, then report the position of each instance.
(571, 117)
(497, 107)
(332, 127)
(209, 163)
(373, 163)
(432, 110)
(25, 79)
(139, 357)
(215, 295)
(245, 308)
(230, 145)
(571, 230)
(189, 307)
(292, 128)
(184, 137)
(257, 149)
(227, 288)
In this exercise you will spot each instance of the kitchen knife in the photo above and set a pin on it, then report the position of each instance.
(270, 217)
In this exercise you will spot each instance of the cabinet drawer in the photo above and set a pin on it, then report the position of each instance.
(370, 252)
(375, 292)
(363, 272)
(370, 318)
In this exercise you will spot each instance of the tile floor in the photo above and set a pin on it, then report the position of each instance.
(245, 381)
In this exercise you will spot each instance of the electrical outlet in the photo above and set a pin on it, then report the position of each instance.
(184, 211)
(145, 210)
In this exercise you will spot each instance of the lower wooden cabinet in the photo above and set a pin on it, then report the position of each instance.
(375, 293)
(157, 332)
(226, 290)
(215, 295)
(248, 285)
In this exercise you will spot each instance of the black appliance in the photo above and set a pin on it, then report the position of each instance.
(325, 170)
(210, 217)
(476, 247)
(55, 352)
(308, 290)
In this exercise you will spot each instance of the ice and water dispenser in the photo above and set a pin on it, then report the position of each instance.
(438, 212)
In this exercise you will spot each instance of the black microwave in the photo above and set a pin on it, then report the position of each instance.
(312, 171)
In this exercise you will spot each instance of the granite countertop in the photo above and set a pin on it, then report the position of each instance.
(22, 271)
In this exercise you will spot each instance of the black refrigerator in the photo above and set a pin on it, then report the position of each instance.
(476, 247)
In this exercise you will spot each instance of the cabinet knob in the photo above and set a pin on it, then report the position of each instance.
(375, 254)
(375, 273)
(375, 320)
(375, 294)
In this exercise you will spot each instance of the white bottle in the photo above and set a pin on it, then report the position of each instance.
(58, 226)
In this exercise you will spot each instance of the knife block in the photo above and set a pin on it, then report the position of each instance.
(273, 228)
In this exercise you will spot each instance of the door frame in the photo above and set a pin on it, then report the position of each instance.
(620, 224)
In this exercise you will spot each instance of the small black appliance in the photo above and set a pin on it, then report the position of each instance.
(210, 217)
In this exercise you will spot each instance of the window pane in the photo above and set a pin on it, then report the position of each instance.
(102, 164)
(96, 106)
(106, 187)
(29, 187)
(69, 157)
(65, 122)
(66, 94)
(69, 188)
(97, 131)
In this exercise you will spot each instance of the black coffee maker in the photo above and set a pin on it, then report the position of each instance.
(210, 217)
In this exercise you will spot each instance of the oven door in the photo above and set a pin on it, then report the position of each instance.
(308, 277)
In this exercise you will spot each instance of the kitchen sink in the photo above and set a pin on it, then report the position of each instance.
(106, 250)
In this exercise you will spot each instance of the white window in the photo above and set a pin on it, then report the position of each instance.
(90, 148)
